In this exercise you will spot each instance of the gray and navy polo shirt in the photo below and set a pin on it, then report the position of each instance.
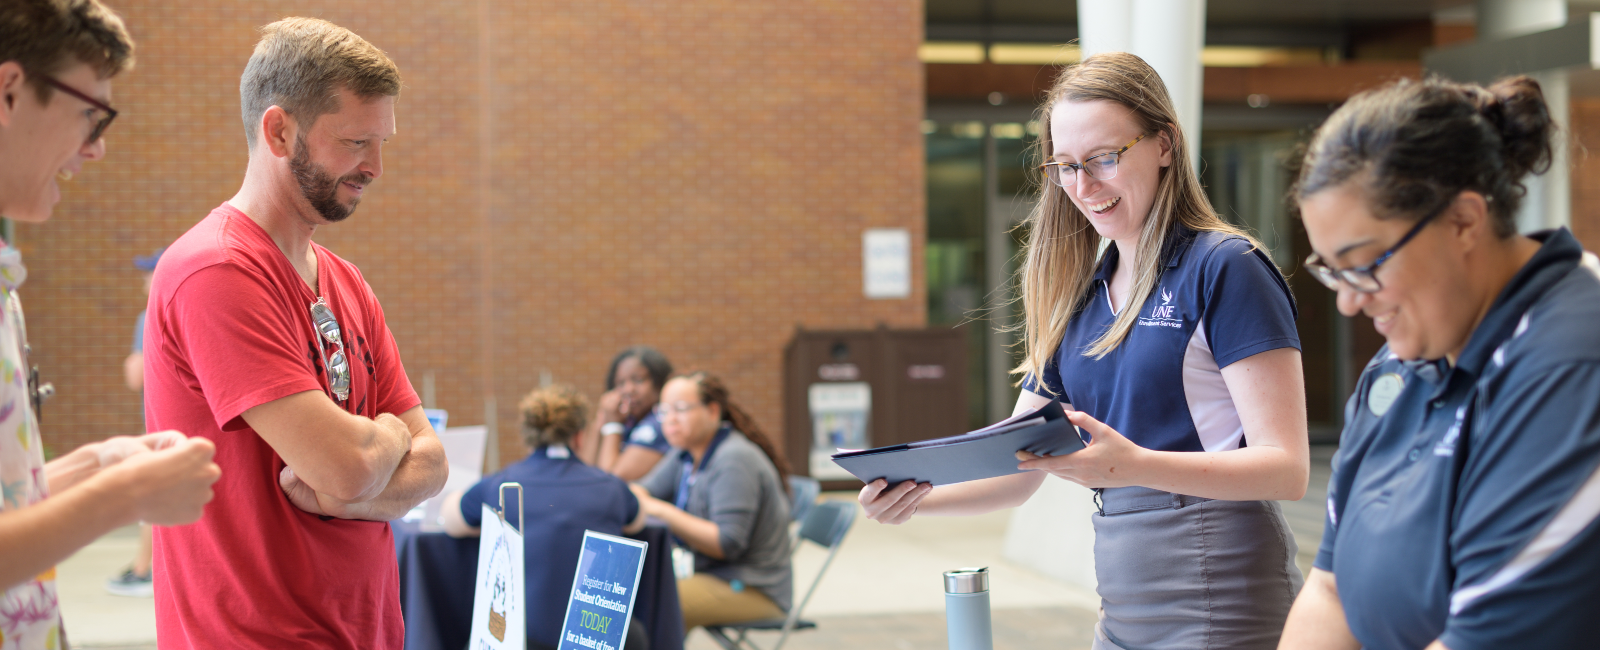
(1464, 499)
(1219, 300)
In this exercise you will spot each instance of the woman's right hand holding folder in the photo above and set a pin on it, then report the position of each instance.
(892, 505)
(895, 504)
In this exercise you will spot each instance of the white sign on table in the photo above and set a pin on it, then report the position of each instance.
(463, 450)
(499, 617)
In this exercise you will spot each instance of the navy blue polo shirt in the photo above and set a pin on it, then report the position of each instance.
(647, 433)
(1219, 300)
(565, 497)
(1463, 501)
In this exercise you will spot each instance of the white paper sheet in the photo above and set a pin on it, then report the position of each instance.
(499, 618)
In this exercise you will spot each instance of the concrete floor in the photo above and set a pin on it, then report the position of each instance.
(94, 618)
(883, 589)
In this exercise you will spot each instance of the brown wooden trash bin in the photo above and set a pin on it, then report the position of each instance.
(893, 386)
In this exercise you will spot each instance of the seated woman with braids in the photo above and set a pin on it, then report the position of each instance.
(725, 496)
(564, 497)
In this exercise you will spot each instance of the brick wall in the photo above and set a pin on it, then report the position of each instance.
(570, 177)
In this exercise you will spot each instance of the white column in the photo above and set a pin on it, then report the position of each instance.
(1052, 533)
(1499, 19)
(1105, 26)
(1167, 34)
(1549, 200)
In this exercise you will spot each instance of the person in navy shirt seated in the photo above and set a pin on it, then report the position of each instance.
(1175, 352)
(1462, 507)
(564, 496)
(626, 430)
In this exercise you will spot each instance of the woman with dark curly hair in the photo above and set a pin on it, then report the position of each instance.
(1463, 505)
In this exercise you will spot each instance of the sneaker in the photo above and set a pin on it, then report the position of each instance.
(129, 584)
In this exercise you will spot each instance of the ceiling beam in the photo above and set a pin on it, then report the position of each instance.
(1057, 33)
(1316, 84)
(1572, 45)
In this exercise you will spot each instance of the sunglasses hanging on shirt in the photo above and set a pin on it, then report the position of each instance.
(327, 327)
(38, 392)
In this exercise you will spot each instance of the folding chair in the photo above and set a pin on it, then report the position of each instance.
(824, 525)
(803, 491)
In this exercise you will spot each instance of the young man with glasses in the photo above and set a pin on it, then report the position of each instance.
(277, 349)
(57, 58)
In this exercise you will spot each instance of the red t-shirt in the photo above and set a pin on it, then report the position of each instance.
(229, 328)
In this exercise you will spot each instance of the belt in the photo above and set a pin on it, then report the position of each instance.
(1123, 500)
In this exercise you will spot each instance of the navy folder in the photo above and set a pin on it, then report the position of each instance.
(985, 453)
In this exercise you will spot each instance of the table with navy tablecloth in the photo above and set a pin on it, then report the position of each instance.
(436, 582)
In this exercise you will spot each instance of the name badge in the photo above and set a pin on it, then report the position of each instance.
(1384, 392)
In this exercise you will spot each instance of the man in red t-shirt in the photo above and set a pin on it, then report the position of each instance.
(277, 350)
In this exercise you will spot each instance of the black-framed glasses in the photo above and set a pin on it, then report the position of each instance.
(100, 124)
(1364, 278)
(338, 366)
(1099, 167)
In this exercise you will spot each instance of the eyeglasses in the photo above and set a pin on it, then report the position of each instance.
(1101, 167)
(676, 408)
(338, 368)
(99, 124)
(1364, 278)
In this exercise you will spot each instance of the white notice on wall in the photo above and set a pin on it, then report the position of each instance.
(886, 263)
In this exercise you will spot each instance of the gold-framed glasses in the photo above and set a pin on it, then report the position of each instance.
(1100, 167)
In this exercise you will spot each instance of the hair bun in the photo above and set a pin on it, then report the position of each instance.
(1517, 109)
(536, 412)
(554, 414)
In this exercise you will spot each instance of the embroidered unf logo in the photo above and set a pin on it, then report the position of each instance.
(1163, 310)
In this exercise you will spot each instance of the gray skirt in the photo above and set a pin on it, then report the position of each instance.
(1184, 572)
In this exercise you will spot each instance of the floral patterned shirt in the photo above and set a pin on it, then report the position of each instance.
(29, 616)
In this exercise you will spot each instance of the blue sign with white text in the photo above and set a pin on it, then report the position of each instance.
(602, 593)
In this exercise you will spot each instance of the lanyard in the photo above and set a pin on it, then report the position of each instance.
(689, 473)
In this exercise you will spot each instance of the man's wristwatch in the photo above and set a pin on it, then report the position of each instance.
(612, 429)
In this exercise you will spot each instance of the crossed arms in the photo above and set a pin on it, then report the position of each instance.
(348, 466)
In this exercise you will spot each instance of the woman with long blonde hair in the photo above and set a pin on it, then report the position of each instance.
(1175, 353)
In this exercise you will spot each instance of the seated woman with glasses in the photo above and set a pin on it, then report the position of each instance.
(627, 434)
(724, 496)
(1464, 506)
(564, 497)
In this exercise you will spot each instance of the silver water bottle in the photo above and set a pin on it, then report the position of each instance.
(966, 609)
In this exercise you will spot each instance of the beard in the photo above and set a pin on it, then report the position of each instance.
(319, 187)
